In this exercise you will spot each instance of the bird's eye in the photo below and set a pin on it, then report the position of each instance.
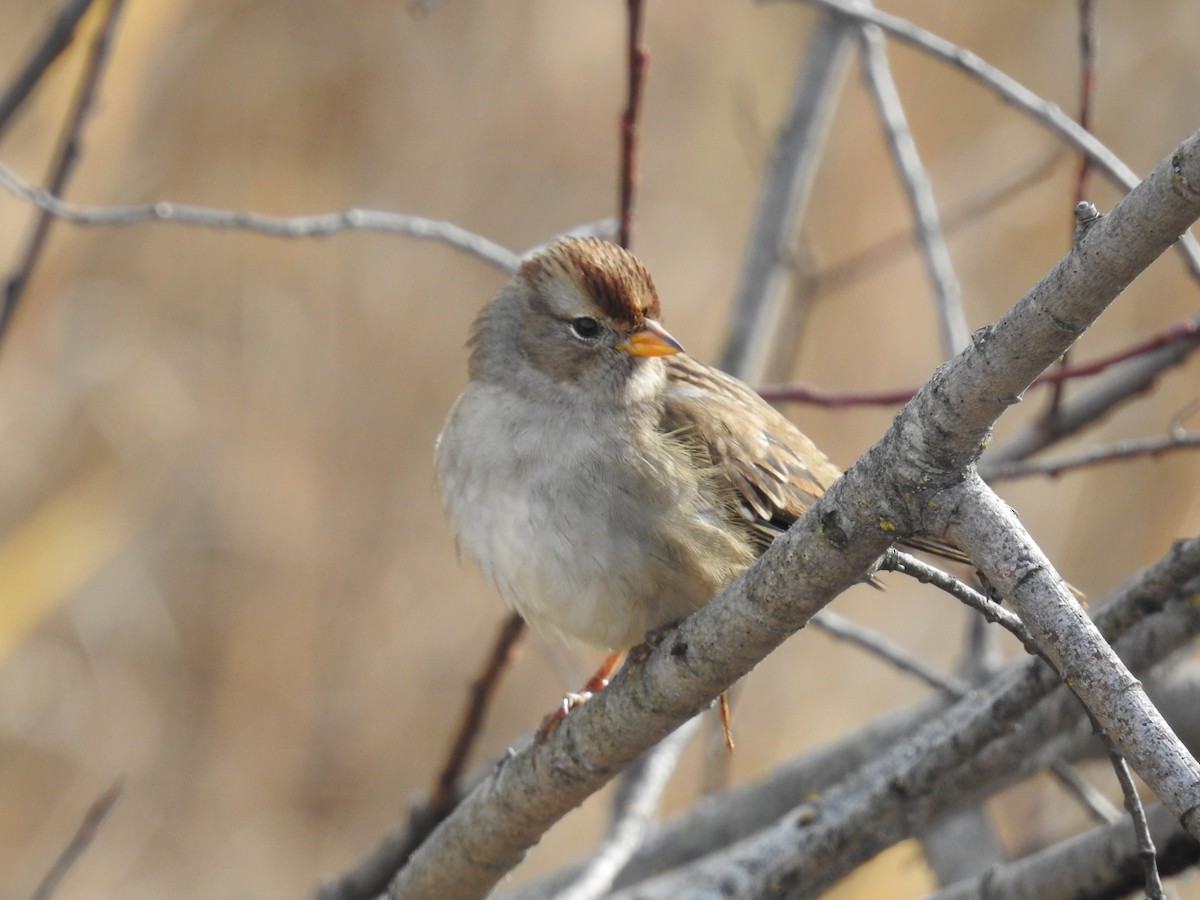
(585, 328)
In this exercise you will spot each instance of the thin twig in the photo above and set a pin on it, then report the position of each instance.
(1155, 445)
(638, 793)
(58, 38)
(1133, 803)
(321, 225)
(638, 63)
(1183, 336)
(887, 250)
(66, 156)
(1087, 83)
(800, 392)
(483, 688)
(1093, 864)
(1131, 380)
(877, 645)
(1098, 806)
(80, 841)
(897, 561)
(946, 291)
(1087, 88)
(1186, 332)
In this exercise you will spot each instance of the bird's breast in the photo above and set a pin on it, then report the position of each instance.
(586, 526)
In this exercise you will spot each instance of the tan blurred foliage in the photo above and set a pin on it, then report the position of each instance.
(223, 570)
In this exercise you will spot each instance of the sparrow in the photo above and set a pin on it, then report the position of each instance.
(606, 482)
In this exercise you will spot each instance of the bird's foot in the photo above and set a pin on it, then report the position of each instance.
(656, 636)
(570, 701)
(595, 684)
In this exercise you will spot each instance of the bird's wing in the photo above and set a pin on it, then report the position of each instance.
(775, 472)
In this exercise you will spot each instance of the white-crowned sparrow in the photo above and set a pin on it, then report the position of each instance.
(608, 483)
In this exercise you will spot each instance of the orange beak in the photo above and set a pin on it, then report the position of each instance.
(650, 340)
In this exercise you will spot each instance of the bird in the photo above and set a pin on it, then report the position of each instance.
(608, 483)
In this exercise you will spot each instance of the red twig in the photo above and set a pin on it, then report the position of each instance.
(65, 158)
(638, 62)
(1185, 331)
(445, 794)
(1087, 85)
(1087, 88)
(807, 393)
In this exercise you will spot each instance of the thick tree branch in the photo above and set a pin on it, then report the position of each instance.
(990, 533)
(1101, 863)
(1021, 722)
(1036, 735)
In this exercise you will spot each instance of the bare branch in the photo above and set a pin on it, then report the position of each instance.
(784, 198)
(896, 561)
(1179, 340)
(638, 63)
(1087, 88)
(1098, 806)
(1011, 91)
(1156, 445)
(483, 688)
(1145, 842)
(1037, 734)
(887, 250)
(639, 791)
(369, 878)
(1101, 863)
(807, 393)
(990, 533)
(58, 38)
(995, 737)
(877, 645)
(315, 226)
(66, 156)
(946, 291)
(719, 819)
(1123, 384)
(80, 841)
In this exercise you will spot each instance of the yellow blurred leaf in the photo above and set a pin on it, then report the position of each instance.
(46, 559)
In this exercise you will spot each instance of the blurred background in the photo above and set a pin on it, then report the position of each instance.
(224, 573)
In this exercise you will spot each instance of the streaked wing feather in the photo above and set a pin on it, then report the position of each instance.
(774, 470)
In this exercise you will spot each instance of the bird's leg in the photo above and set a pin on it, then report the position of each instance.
(726, 730)
(599, 679)
(655, 637)
(598, 682)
